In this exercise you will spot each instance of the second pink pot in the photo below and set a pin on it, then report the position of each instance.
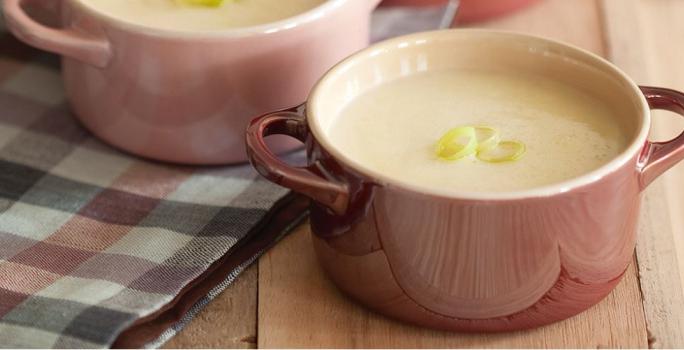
(187, 97)
(465, 261)
(471, 10)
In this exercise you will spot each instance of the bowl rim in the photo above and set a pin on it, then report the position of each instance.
(633, 149)
(321, 11)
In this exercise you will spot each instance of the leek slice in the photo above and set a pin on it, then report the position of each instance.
(205, 3)
(505, 151)
(457, 143)
(487, 138)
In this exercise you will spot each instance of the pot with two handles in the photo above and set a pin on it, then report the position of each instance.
(471, 261)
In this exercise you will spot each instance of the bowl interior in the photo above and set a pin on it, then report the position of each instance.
(481, 50)
(296, 19)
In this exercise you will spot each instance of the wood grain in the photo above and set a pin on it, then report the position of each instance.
(300, 308)
(640, 33)
(229, 321)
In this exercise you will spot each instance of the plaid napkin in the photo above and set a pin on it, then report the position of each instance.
(98, 248)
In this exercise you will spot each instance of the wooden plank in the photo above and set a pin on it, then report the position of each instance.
(640, 34)
(229, 321)
(299, 307)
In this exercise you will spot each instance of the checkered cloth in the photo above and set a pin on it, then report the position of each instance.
(98, 247)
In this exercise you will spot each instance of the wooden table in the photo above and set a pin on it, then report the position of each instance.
(286, 301)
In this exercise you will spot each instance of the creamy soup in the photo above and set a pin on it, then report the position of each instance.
(178, 15)
(393, 129)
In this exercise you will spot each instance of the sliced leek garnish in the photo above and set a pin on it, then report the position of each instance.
(487, 138)
(483, 140)
(206, 3)
(505, 151)
(457, 143)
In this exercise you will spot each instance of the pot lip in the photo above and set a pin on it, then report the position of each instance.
(624, 158)
(321, 11)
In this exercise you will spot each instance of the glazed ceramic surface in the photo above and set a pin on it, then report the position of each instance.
(471, 10)
(482, 10)
(187, 97)
(471, 261)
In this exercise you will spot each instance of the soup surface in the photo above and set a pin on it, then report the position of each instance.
(178, 15)
(393, 129)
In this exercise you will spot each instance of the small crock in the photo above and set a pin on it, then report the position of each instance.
(471, 261)
(187, 96)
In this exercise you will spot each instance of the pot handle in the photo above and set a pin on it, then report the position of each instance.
(307, 180)
(658, 157)
(67, 42)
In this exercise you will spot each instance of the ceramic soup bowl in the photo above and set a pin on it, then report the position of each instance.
(187, 96)
(471, 261)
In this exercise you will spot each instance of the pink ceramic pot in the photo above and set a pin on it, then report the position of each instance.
(471, 10)
(184, 96)
(471, 261)
(482, 10)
